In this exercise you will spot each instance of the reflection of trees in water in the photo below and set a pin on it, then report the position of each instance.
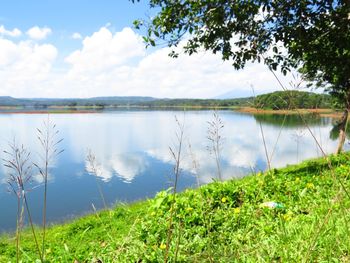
(291, 120)
(295, 121)
(334, 133)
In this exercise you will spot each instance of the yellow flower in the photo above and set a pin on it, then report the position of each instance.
(162, 246)
(310, 185)
(297, 179)
(224, 199)
(237, 210)
(287, 216)
(153, 213)
(189, 209)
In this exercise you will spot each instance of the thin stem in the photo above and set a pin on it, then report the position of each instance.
(101, 194)
(17, 229)
(194, 164)
(32, 226)
(263, 138)
(91, 159)
(177, 158)
(265, 147)
(178, 242)
(278, 137)
(45, 186)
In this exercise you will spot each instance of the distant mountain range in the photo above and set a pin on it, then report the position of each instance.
(42, 102)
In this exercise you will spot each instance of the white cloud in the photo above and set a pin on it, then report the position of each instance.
(116, 64)
(38, 33)
(104, 51)
(99, 170)
(76, 35)
(25, 67)
(128, 166)
(110, 64)
(11, 33)
(125, 166)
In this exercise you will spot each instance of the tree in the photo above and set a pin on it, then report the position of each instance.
(310, 35)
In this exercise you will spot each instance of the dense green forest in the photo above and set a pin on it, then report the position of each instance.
(293, 99)
(274, 100)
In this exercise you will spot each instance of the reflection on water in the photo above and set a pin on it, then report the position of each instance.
(133, 159)
(125, 166)
(292, 120)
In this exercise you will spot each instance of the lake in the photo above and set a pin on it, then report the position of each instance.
(133, 157)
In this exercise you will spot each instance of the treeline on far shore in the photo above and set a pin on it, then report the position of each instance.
(275, 100)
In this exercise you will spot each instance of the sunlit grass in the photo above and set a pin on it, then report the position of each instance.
(219, 222)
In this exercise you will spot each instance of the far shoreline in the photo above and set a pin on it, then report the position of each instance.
(321, 112)
(88, 110)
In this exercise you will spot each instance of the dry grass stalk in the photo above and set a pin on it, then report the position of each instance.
(49, 141)
(214, 136)
(94, 170)
(19, 166)
(176, 155)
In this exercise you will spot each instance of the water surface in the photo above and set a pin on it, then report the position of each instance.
(134, 161)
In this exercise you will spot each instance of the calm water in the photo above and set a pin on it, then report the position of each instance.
(132, 149)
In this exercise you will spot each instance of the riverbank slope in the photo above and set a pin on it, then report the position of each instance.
(296, 214)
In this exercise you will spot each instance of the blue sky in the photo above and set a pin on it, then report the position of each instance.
(65, 17)
(71, 15)
(89, 48)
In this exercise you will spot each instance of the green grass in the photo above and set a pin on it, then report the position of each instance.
(219, 222)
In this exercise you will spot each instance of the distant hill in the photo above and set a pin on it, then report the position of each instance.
(274, 100)
(46, 102)
(9, 101)
(121, 101)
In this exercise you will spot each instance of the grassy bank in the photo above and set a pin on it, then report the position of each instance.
(89, 109)
(219, 222)
(321, 112)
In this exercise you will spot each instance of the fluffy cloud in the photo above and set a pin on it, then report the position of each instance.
(117, 64)
(24, 67)
(104, 51)
(76, 35)
(38, 33)
(11, 33)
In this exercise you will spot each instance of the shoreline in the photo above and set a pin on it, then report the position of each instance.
(105, 232)
(85, 109)
(321, 112)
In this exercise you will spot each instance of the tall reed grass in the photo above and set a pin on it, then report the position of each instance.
(49, 142)
(19, 170)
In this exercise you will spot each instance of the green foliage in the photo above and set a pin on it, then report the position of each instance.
(226, 222)
(280, 100)
(219, 222)
(310, 35)
(313, 36)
